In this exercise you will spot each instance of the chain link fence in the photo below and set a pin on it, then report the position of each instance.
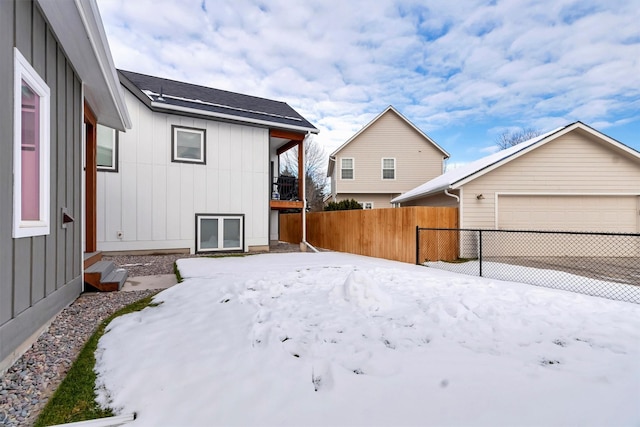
(599, 264)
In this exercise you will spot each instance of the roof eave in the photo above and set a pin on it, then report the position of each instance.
(403, 199)
(332, 165)
(614, 142)
(417, 129)
(90, 56)
(488, 168)
(354, 136)
(391, 107)
(176, 108)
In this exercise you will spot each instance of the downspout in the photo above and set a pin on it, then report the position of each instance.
(446, 192)
(304, 244)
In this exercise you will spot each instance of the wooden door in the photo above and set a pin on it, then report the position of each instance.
(91, 175)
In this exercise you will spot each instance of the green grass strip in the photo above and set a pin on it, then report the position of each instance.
(176, 271)
(75, 398)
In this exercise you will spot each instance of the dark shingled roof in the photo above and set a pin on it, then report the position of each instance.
(213, 101)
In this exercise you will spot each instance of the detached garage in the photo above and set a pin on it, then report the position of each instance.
(573, 178)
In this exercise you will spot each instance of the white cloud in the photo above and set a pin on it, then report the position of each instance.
(490, 149)
(507, 63)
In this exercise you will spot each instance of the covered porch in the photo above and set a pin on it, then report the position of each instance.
(286, 192)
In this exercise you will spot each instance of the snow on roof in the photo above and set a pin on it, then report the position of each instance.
(449, 179)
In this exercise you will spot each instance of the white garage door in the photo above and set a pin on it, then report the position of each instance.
(618, 214)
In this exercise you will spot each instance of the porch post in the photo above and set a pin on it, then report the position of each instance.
(301, 171)
(301, 188)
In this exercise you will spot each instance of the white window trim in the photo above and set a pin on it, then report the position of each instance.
(174, 144)
(383, 168)
(114, 154)
(353, 168)
(220, 218)
(364, 205)
(24, 71)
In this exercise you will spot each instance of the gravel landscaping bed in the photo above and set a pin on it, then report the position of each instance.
(146, 265)
(28, 384)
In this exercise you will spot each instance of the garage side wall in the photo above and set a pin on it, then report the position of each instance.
(575, 164)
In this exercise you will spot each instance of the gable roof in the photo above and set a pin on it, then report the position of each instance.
(332, 156)
(78, 27)
(176, 97)
(458, 177)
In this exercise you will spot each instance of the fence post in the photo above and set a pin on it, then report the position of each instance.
(417, 244)
(480, 250)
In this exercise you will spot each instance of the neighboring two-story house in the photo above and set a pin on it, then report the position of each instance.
(386, 158)
(198, 171)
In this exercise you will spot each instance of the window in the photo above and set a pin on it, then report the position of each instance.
(346, 168)
(187, 145)
(31, 186)
(107, 156)
(219, 232)
(388, 168)
(366, 205)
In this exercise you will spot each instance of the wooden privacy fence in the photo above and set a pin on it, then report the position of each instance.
(381, 233)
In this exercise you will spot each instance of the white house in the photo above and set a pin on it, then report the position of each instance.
(197, 171)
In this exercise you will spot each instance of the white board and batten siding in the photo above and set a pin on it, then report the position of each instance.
(151, 202)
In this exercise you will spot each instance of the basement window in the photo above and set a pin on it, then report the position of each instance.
(219, 232)
(31, 184)
(187, 145)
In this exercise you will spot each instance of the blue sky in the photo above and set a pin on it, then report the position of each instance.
(463, 71)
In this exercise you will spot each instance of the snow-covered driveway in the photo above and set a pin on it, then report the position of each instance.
(335, 339)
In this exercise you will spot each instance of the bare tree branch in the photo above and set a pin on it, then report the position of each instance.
(510, 138)
(314, 163)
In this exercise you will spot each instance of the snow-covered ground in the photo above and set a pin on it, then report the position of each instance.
(333, 339)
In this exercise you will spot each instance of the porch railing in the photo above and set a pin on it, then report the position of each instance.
(285, 187)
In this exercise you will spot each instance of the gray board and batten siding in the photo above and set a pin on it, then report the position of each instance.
(41, 275)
